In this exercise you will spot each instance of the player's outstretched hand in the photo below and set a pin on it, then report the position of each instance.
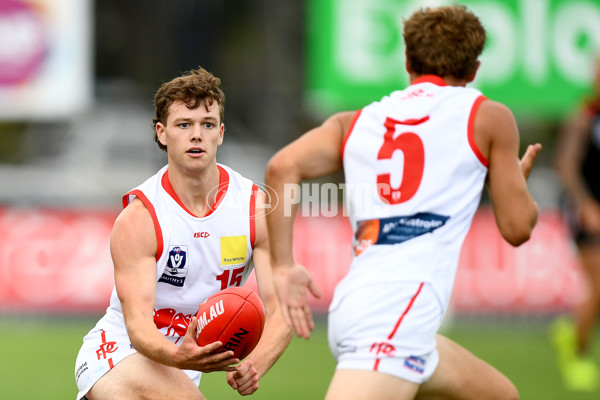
(202, 358)
(244, 379)
(292, 285)
(528, 158)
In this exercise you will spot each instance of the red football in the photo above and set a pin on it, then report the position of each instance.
(234, 316)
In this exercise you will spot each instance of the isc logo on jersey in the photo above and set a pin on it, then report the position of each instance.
(233, 250)
(176, 268)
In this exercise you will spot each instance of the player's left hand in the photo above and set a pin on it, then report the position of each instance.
(293, 284)
(244, 379)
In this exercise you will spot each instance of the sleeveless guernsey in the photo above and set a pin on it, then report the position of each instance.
(414, 178)
(196, 257)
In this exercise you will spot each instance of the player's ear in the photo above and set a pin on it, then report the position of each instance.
(471, 76)
(407, 65)
(161, 133)
(221, 133)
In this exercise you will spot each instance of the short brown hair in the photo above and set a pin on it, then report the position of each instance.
(194, 88)
(444, 41)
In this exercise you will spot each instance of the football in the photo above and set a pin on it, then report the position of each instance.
(234, 316)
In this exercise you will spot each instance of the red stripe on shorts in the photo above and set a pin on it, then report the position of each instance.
(111, 365)
(410, 304)
(376, 366)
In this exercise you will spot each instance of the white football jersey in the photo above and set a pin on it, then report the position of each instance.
(196, 256)
(414, 178)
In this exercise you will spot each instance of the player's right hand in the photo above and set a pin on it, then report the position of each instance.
(292, 284)
(207, 358)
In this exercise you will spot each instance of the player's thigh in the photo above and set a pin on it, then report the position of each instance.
(460, 375)
(349, 384)
(137, 378)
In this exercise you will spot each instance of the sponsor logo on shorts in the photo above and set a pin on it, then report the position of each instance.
(80, 370)
(176, 270)
(384, 348)
(415, 363)
(106, 347)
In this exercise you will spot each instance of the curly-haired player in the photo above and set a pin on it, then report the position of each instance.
(415, 165)
(184, 234)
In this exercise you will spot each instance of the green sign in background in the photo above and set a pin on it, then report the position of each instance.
(538, 58)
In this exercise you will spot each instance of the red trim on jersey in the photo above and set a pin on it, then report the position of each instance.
(253, 214)
(354, 119)
(471, 131)
(410, 304)
(223, 185)
(157, 230)
(436, 80)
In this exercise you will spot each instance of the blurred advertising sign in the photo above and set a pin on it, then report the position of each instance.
(45, 58)
(59, 261)
(54, 260)
(538, 58)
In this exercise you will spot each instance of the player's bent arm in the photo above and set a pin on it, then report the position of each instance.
(133, 250)
(315, 154)
(277, 334)
(515, 210)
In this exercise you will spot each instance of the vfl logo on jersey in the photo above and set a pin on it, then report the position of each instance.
(176, 269)
(395, 229)
(233, 250)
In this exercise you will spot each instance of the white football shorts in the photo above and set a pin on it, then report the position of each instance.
(100, 352)
(387, 327)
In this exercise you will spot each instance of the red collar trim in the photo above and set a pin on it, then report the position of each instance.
(223, 185)
(436, 80)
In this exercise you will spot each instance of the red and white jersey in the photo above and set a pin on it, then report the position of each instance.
(414, 178)
(196, 256)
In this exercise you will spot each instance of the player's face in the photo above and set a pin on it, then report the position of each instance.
(192, 135)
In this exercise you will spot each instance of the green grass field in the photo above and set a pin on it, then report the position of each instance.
(38, 360)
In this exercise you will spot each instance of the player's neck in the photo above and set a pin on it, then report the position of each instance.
(450, 80)
(196, 191)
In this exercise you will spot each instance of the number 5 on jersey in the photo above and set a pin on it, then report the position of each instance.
(412, 147)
